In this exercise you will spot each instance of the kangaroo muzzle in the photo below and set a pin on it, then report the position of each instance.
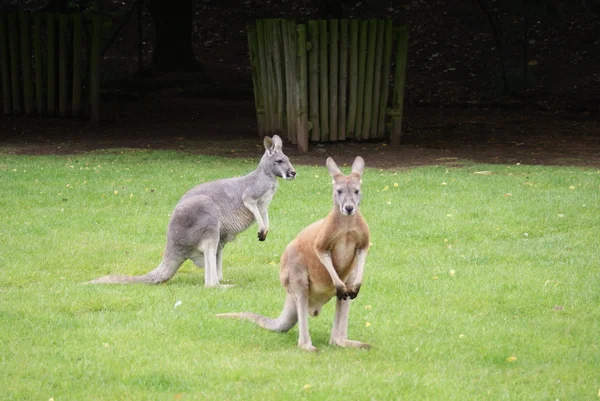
(348, 209)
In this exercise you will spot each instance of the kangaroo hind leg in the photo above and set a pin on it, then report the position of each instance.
(339, 332)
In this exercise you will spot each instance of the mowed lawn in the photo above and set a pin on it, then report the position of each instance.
(482, 283)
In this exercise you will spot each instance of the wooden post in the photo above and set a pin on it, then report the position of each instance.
(13, 35)
(362, 61)
(302, 97)
(400, 77)
(353, 79)
(95, 57)
(290, 44)
(343, 79)
(256, 84)
(368, 107)
(377, 79)
(51, 63)
(271, 81)
(333, 78)
(324, 85)
(264, 83)
(4, 58)
(39, 65)
(279, 75)
(387, 59)
(77, 64)
(25, 29)
(63, 51)
(313, 70)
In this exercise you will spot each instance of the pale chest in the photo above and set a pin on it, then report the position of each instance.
(343, 251)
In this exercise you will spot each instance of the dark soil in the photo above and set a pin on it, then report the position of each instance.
(224, 127)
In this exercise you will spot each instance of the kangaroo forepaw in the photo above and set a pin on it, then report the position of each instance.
(354, 292)
(341, 292)
(262, 235)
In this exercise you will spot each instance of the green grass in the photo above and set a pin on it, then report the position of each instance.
(522, 242)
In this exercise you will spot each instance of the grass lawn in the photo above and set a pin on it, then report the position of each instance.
(477, 286)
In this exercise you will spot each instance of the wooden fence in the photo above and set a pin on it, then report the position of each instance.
(48, 61)
(329, 77)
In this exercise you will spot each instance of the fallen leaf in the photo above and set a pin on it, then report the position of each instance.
(558, 307)
(511, 359)
(483, 172)
(368, 307)
(367, 324)
(396, 184)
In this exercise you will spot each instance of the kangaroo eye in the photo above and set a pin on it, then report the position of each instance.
(279, 161)
(339, 191)
(356, 192)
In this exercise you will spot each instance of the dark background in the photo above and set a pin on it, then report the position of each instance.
(497, 81)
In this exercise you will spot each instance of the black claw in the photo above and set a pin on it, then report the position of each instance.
(262, 236)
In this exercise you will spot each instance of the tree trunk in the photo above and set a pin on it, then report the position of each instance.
(173, 43)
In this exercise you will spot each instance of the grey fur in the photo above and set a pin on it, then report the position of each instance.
(211, 214)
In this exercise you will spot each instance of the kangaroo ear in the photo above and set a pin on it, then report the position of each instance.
(277, 142)
(358, 166)
(332, 167)
(269, 144)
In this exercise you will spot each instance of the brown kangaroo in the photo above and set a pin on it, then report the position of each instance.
(327, 258)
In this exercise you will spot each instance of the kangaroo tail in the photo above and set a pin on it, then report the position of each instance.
(286, 320)
(162, 273)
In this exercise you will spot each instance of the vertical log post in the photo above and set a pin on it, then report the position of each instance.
(291, 77)
(399, 81)
(313, 70)
(362, 62)
(302, 97)
(271, 81)
(343, 79)
(353, 79)
(333, 78)
(279, 74)
(256, 83)
(385, 89)
(368, 107)
(324, 85)
(377, 79)
(264, 81)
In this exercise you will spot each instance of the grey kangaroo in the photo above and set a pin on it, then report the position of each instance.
(210, 215)
(326, 259)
